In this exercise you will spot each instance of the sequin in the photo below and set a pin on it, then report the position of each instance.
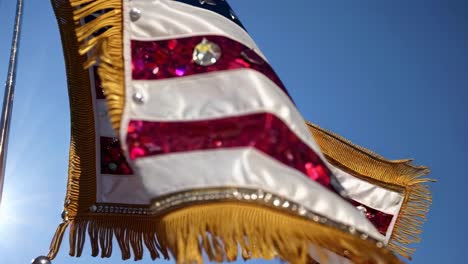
(379, 219)
(112, 159)
(265, 132)
(174, 58)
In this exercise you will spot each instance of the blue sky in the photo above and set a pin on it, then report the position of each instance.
(389, 75)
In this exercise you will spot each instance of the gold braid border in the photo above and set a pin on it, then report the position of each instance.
(397, 175)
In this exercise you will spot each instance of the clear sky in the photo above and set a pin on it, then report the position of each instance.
(389, 75)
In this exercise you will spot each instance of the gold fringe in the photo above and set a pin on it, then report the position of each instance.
(398, 175)
(220, 230)
(104, 50)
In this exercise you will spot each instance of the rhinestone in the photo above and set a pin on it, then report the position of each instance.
(364, 236)
(233, 15)
(302, 211)
(316, 218)
(276, 202)
(362, 209)
(93, 208)
(138, 98)
(352, 229)
(260, 194)
(268, 197)
(135, 14)
(294, 207)
(99, 208)
(346, 253)
(254, 196)
(323, 220)
(67, 202)
(247, 197)
(112, 166)
(379, 244)
(286, 204)
(206, 53)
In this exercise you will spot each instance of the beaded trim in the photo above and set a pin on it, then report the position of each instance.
(177, 200)
(118, 209)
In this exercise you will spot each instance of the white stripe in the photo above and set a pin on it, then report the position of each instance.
(104, 125)
(168, 19)
(215, 95)
(248, 168)
(121, 189)
(372, 196)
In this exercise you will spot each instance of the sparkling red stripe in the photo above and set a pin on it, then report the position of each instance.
(112, 159)
(263, 131)
(379, 219)
(156, 60)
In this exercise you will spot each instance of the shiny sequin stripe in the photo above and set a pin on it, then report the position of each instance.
(112, 158)
(183, 199)
(157, 60)
(220, 7)
(379, 219)
(264, 132)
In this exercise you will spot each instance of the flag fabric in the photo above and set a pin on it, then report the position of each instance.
(185, 141)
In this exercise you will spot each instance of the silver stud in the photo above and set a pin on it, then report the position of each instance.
(364, 236)
(206, 53)
(379, 244)
(138, 98)
(135, 14)
(93, 208)
(41, 260)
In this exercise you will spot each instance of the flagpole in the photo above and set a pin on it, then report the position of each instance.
(9, 92)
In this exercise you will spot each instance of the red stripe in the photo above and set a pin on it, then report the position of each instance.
(112, 159)
(263, 131)
(157, 60)
(379, 219)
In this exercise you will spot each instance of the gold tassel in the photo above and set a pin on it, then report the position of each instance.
(399, 175)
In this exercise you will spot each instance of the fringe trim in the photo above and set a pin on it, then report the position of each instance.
(220, 230)
(104, 49)
(399, 175)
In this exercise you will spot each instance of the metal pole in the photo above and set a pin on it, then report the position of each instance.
(9, 91)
